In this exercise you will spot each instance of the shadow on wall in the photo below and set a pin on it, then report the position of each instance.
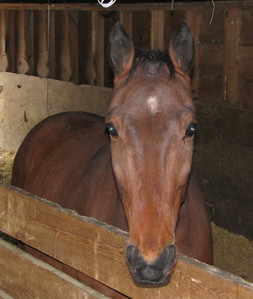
(224, 161)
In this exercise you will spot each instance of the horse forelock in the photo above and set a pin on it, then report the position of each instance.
(152, 62)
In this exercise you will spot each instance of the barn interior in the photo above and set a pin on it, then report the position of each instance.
(54, 58)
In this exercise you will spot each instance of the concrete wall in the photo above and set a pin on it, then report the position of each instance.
(26, 100)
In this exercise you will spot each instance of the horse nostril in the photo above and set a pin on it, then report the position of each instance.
(171, 254)
(149, 273)
(132, 254)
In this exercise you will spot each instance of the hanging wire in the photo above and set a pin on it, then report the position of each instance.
(213, 11)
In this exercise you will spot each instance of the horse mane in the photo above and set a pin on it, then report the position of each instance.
(152, 61)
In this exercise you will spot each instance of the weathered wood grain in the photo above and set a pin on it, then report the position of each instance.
(98, 250)
(120, 6)
(22, 44)
(157, 29)
(232, 52)
(23, 276)
(3, 41)
(43, 44)
(97, 47)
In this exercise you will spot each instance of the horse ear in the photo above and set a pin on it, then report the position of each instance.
(181, 49)
(121, 50)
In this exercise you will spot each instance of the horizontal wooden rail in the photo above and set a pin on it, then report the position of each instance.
(23, 276)
(121, 6)
(97, 249)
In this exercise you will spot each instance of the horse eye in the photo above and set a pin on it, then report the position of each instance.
(191, 130)
(111, 130)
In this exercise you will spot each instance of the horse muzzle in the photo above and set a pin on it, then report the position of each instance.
(153, 274)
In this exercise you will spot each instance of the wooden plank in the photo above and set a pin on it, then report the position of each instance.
(3, 42)
(211, 85)
(22, 53)
(74, 44)
(121, 6)
(23, 276)
(52, 37)
(247, 23)
(126, 19)
(212, 30)
(86, 67)
(12, 41)
(97, 46)
(245, 77)
(98, 250)
(91, 48)
(65, 55)
(231, 57)
(157, 29)
(43, 45)
(141, 29)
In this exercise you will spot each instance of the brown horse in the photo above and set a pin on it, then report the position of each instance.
(140, 177)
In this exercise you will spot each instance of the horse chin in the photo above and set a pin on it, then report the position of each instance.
(151, 284)
(139, 281)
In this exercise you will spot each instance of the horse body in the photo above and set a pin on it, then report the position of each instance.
(139, 178)
(66, 159)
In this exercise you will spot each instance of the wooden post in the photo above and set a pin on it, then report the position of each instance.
(157, 29)
(51, 46)
(74, 44)
(65, 58)
(12, 41)
(232, 49)
(43, 45)
(22, 53)
(3, 31)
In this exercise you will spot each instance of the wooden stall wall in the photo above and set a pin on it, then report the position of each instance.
(93, 248)
(70, 42)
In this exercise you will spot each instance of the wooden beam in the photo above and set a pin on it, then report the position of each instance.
(23, 276)
(120, 6)
(97, 249)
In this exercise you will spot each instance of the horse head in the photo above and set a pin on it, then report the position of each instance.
(151, 124)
